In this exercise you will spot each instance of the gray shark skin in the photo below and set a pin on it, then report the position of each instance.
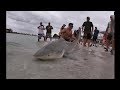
(55, 50)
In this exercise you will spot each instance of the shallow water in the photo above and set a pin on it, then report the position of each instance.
(79, 65)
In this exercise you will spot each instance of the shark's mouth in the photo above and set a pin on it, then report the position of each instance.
(51, 56)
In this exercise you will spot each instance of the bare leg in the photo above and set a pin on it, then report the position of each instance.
(107, 44)
(113, 47)
(88, 42)
(95, 43)
(44, 38)
(84, 42)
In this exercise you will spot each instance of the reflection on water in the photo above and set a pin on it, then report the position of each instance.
(13, 43)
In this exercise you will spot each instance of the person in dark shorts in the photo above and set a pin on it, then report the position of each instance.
(95, 36)
(40, 31)
(87, 31)
(49, 31)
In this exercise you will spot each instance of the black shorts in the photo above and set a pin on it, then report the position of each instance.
(40, 35)
(87, 36)
(94, 38)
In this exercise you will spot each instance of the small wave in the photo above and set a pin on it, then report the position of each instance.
(13, 44)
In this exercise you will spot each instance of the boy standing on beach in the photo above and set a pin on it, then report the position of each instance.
(67, 33)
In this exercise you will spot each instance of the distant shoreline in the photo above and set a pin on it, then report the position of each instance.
(21, 33)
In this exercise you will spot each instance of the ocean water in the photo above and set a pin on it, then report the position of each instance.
(21, 64)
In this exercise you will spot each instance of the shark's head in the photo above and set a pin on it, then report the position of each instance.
(52, 50)
(49, 55)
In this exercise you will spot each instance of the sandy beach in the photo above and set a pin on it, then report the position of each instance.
(21, 64)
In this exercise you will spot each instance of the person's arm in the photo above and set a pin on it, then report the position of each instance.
(63, 31)
(73, 37)
(92, 26)
(46, 27)
(98, 31)
(51, 27)
(43, 27)
(107, 27)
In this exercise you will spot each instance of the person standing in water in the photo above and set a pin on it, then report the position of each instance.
(41, 32)
(49, 31)
(67, 33)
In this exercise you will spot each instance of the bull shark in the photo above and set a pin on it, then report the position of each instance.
(55, 50)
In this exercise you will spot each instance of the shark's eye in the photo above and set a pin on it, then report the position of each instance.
(48, 55)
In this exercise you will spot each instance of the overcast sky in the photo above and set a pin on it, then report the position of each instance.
(28, 21)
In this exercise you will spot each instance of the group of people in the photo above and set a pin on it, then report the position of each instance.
(87, 29)
(41, 29)
(90, 34)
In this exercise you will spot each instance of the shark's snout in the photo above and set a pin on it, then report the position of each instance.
(51, 55)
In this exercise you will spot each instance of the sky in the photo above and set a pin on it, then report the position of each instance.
(28, 21)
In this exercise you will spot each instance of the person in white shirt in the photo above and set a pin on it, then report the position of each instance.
(41, 32)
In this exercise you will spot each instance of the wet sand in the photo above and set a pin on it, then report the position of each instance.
(21, 64)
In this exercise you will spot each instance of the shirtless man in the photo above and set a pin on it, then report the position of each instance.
(62, 28)
(67, 33)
